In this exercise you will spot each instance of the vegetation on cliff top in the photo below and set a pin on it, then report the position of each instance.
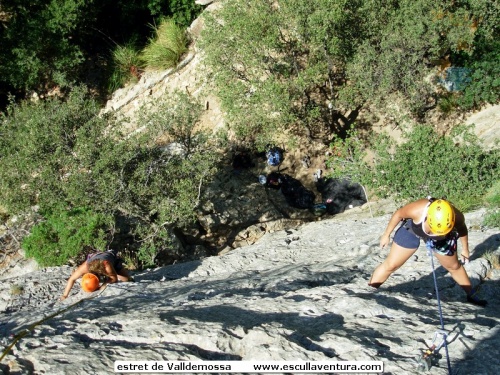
(287, 67)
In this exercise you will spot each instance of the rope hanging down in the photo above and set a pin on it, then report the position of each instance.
(442, 331)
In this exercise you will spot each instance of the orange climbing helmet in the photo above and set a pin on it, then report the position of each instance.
(90, 283)
(440, 217)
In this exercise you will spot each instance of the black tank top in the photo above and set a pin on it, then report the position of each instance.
(107, 256)
(418, 231)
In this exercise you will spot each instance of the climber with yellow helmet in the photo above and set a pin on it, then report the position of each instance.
(439, 224)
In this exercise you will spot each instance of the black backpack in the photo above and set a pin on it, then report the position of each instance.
(339, 194)
(296, 194)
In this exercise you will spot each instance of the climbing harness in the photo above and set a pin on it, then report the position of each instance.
(19, 335)
(439, 340)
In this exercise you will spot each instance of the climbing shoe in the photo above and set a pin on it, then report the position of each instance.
(474, 299)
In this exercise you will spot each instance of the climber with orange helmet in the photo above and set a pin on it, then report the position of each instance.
(439, 224)
(106, 265)
(90, 282)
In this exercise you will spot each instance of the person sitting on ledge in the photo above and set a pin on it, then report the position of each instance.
(102, 264)
(440, 225)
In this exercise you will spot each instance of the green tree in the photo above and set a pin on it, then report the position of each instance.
(484, 65)
(301, 66)
(37, 149)
(57, 43)
(37, 43)
(64, 156)
(278, 66)
(64, 234)
(424, 163)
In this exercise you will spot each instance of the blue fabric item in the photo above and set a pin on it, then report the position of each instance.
(274, 156)
(456, 78)
(404, 238)
(319, 209)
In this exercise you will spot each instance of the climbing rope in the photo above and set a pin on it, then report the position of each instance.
(442, 331)
(367, 201)
(18, 336)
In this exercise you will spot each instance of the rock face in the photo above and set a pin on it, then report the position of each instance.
(297, 294)
(486, 125)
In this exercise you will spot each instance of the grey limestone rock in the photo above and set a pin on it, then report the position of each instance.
(295, 294)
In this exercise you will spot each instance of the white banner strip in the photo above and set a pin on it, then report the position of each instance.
(263, 367)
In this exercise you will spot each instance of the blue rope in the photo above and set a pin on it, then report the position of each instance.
(429, 251)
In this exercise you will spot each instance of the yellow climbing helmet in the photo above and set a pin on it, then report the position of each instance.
(440, 217)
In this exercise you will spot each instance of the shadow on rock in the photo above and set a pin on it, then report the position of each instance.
(491, 244)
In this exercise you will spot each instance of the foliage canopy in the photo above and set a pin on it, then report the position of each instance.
(280, 66)
(300, 66)
(63, 156)
(425, 163)
(55, 43)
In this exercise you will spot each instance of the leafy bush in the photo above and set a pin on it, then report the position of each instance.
(426, 163)
(485, 78)
(64, 234)
(447, 103)
(183, 12)
(37, 150)
(180, 168)
(61, 155)
(166, 49)
(346, 158)
(37, 42)
(175, 116)
(126, 66)
(492, 218)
